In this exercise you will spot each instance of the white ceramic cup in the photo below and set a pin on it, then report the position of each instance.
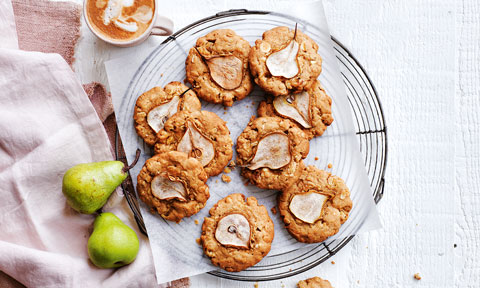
(160, 26)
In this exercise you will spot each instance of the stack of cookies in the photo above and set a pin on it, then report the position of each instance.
(191, 144)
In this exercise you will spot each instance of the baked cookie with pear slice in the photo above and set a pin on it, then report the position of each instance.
(202, 135)
(270, 151)
(310, 109)
(173, 185)
(315, 206)
(314, 282)
(217, 67)
(154, 107)
(238, 233)
(285, 61)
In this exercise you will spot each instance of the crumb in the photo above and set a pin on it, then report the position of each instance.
(274, 210)
(246, 106)
(253, 102)
(333, 262)
(216, 181)
(316, 158)
(226, 178)
(196, 221)
(417, 276)
(227, 170)
(224, 107)
(231, 164)
(224, 112)
(198, 241)
(161, 75)
(290, 269)
(358, 281)
(330, 165)
(255, 285)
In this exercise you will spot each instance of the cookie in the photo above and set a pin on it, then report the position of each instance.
(238, 233)
(217, 67)
(202, 135)
(158, 104)
(270, 151)
(314, 282)
(276, 67)
(311, 110)
(173, 185)
(315, 206)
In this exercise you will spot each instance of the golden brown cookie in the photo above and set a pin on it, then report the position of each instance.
(238, 233)
(314, 282)
(292, 74)
(311, 110)
(202, 135)
(155, 106)
(217, 67)
(315, 206)
(270, 150)
(173, 185)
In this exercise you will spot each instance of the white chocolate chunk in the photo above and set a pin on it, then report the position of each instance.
(272, 152)
(308, 207)
(196, 145)
(284, 62)
(296, 110)
(233, 230)
(226, 71)
(163, 188)
(157, 117)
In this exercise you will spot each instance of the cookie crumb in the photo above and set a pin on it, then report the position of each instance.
(274, 210)
(161, 75)
(330, 165)
(417, 276)
(216, 181)
(255, 285)
(232, 164)
(196, 221)
(226, 178)
(253, 102)
(333, 262)
(316, 158)
(199, 242)
(224, 112)
(227, 170)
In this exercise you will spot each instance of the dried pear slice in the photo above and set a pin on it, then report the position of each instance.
(284, 62)
(308, 207)
(164, 189)
(233, 230)
(157, 117)
(226, 71)
(273, 151)
(196, 145)
(294, 107)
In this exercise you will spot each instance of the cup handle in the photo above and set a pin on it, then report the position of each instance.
(162, 26)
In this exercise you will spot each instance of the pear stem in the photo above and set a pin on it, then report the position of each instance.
(183, 93)
(201, 56)
(137, 156)
(295, 33)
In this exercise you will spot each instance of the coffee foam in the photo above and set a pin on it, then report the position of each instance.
(114, 13)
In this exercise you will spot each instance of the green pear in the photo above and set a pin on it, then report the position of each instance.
(88, 186)
(112, 243)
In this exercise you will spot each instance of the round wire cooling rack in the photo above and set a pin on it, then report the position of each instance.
(372, 137)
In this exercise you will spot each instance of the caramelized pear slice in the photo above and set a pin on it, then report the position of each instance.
(308, 207)
(196, 145)
(233, 230)
(273, 151)
(284, 62)
(294, 107)
(157, 117)
(226, 71)
(164, 189)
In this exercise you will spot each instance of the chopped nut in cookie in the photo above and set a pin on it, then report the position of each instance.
(308, 207)
(233, 230)
(295, 107)
(196, 145)
(272, 152)
(226, 178)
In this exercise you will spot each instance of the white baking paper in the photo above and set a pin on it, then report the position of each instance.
(175, 251)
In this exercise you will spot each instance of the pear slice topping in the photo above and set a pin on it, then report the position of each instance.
(226, 71)
(284, 62)
(164, 188)
(295, 107)
(196, 145)
(273, 151)
(233, 230)
(308, 207)
(157, 117)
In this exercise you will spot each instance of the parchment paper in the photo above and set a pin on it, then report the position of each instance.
(175, 251)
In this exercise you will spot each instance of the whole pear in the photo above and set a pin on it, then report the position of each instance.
(112, 243)
(88, 186)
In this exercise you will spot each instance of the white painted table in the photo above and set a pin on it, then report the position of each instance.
(433, 171)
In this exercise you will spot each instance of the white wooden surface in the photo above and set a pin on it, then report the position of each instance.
(410, 51)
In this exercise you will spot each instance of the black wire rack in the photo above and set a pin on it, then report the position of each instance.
(371, 133)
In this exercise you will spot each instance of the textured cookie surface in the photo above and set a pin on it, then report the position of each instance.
(261, 233)
(219, 43)
(247, 144)
(314, 282)
(333, 213)
(319, 111)
(159, 96)
(179, 168)
(209, 125)
(308, 60)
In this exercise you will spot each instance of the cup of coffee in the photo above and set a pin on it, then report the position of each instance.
(125, 23)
